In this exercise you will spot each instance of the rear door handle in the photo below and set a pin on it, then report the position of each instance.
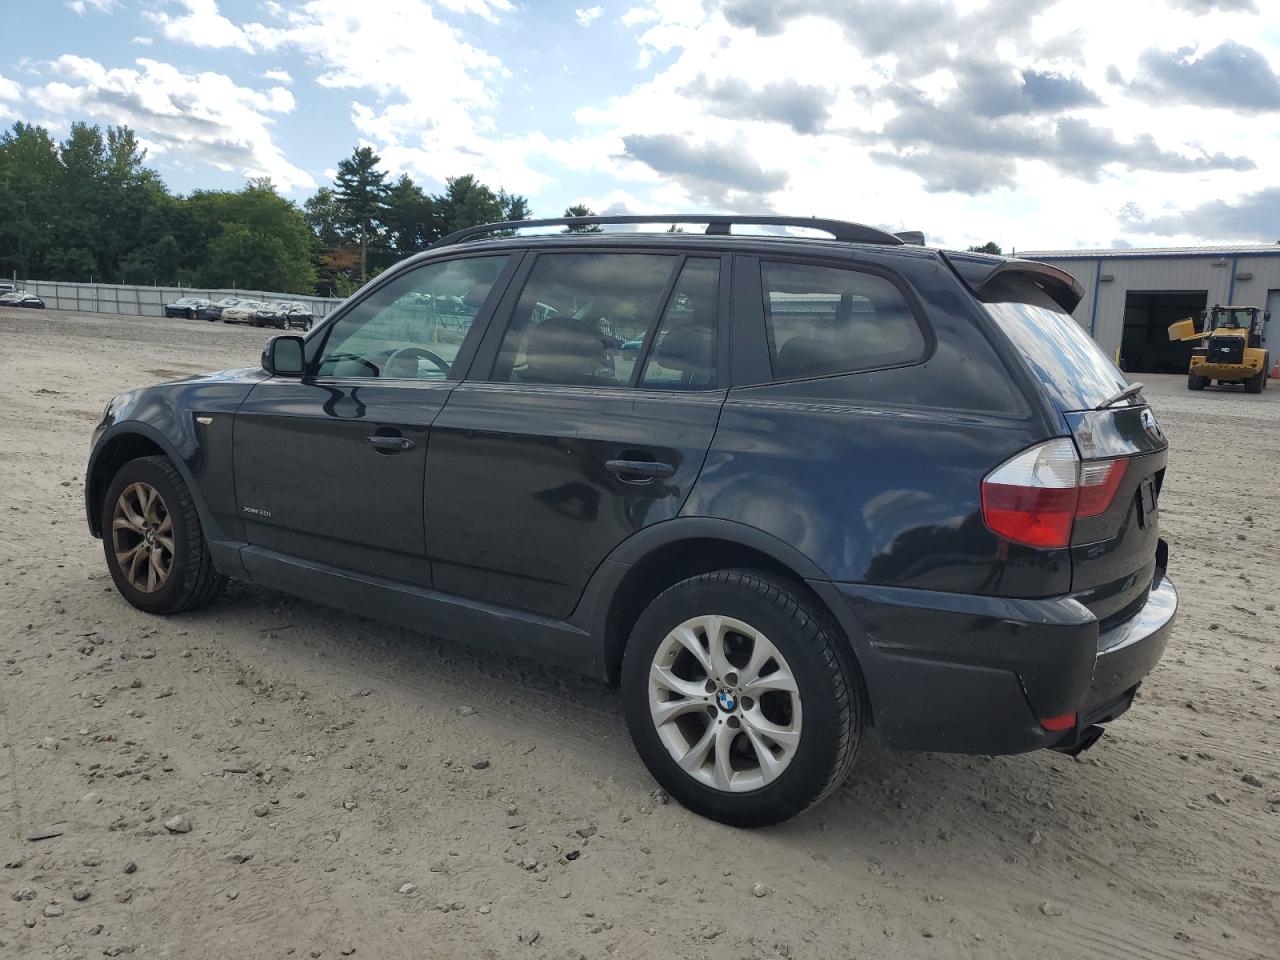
(390, 444)
(639, 471)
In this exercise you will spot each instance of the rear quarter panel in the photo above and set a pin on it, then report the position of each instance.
(875, 476)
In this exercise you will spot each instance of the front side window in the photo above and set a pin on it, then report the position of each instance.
(826, 320)
(412, 327)
(582, 318)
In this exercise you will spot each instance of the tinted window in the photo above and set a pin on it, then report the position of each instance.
(824, 320)
(683, 355)
(577, 315)
(412, 327)
(1066, 361)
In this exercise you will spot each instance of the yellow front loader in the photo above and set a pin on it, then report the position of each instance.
(1230, 350)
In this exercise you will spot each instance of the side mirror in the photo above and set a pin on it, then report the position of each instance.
(282, 357)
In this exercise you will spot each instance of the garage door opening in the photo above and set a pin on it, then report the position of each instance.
(1145, 346)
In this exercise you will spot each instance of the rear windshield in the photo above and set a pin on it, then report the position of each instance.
(1074, 371)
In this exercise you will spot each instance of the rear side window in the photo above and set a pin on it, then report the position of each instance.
(1074, 371)
(825, 320)
(683, 355)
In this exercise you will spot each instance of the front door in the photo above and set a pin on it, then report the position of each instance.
(587, 416)
(330, 467)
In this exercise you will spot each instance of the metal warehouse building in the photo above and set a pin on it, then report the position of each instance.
(1131, 296)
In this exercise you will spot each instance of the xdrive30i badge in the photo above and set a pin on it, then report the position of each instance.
(257, 512)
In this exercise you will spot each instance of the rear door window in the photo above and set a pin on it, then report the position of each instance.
(582, 318)
(826, 320)
(1074, 371)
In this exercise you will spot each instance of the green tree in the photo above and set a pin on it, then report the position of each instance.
(322, 212)
(30, 179)
(514, 206)
(989, 247)
(361, 189)
(467, 202)
(410, 218)
(255, 239)
(581, 210)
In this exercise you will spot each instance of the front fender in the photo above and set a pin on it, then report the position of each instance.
(190, 422)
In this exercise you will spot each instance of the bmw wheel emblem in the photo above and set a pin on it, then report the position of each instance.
(727, 700)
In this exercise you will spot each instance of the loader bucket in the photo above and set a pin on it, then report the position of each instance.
(1182, 330)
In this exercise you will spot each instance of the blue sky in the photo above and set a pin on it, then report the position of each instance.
(1037, 123)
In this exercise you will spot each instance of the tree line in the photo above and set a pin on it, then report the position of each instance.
(87, 208)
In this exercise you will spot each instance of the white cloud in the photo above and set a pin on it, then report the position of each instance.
(719, 74)
(423, 95)
(852, 109)
(202, 115)
(201, 26)
(82, 6)
(143, 41)
(9, 90)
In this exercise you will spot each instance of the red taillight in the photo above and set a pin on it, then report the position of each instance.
(1034, 497)
(1099, 481)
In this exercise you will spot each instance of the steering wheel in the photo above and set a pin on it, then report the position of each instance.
(417, 353)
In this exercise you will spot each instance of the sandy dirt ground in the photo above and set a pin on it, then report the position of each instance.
(330, 767)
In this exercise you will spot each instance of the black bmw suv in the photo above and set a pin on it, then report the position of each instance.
(789, 492)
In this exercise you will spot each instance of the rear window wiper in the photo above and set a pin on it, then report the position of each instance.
(1124, 394)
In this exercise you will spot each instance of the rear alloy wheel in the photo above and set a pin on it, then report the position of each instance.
(741, 699)
(731, 729)
(152, 539)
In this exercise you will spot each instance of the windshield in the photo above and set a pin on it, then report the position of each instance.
(1234, 319)
(1073, 369)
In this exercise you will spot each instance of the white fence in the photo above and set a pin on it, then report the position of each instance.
(148, 301)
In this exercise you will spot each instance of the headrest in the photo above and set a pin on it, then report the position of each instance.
(475, 297)
(563, 350)
(801, 356)
(687, 349)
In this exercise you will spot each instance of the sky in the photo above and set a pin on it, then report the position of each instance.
(1039, 124)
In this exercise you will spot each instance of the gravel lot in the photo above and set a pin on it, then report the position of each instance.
(330, 768)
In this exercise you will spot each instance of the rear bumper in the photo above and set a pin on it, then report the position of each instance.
(967, 674)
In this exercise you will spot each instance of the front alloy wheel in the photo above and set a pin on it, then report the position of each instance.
(142, 537)
(731, 727)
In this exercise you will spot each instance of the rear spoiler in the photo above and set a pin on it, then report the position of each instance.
(977, 270)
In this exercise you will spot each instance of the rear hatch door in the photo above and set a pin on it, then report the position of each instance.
(1114, 546)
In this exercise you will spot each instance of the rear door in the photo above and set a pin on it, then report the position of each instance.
(1115, 550)
(330, 467)
(587, 417)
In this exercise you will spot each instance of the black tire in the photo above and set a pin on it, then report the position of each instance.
(1196, 383)
(191, 314)
(1258, 382)
(830, 690)
(192, 581)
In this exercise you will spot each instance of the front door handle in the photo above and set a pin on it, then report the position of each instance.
(639, 471)
(390, 444)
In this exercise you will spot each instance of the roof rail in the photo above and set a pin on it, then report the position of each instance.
(717, 225)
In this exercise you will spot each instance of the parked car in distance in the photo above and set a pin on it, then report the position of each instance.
(20, 298)
(6, 287)
(213, 311)
(285, 315)
(188, 307)
(842, 486)
(246, 311)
